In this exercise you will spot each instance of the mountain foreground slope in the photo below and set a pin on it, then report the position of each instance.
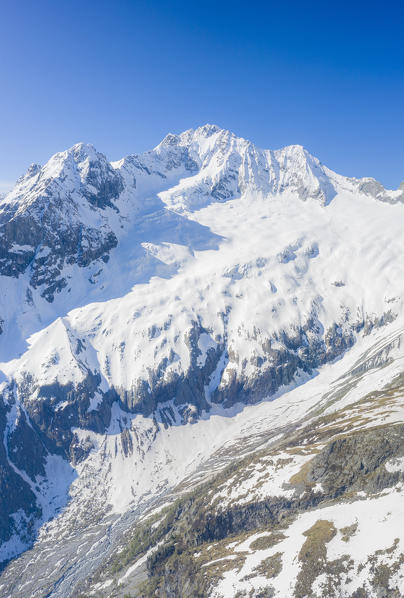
(201, 368)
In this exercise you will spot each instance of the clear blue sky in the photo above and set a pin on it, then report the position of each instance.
(122, 73)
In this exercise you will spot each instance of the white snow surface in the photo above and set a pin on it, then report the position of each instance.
(382, 515)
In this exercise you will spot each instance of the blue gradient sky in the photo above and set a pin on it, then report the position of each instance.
(121, 74)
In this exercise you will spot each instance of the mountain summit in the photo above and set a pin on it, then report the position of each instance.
(65, 207)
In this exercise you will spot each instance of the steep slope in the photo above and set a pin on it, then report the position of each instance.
(53, 217)
(293, 517)
(145, 303)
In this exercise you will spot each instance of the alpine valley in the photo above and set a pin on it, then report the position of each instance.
(201, 376)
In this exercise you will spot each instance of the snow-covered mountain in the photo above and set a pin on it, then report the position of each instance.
(152, 310)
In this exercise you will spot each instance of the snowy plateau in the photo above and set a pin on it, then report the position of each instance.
(201, 376)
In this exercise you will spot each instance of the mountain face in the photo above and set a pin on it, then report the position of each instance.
(201, 369)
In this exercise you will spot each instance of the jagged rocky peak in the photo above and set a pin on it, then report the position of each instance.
(301, 172)
(218, 166)
(32, 171)
(55, 216)
(231, 165)
(197, 135)
(206, 144)
(67, 177)
(372, 187)
(101, 184)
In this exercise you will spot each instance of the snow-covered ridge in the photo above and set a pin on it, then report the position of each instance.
(78, 206)
(209, 152)
(212, 235)
(219, 166)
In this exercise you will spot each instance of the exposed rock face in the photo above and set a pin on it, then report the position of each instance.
(356, 462)
(58, 409)
(348, 464)
(376, 190)
(40, 221)
(18, 506)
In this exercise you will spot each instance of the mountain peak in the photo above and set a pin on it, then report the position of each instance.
(77, 154)
(223, 166)
(186, 137)
(208, 130)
